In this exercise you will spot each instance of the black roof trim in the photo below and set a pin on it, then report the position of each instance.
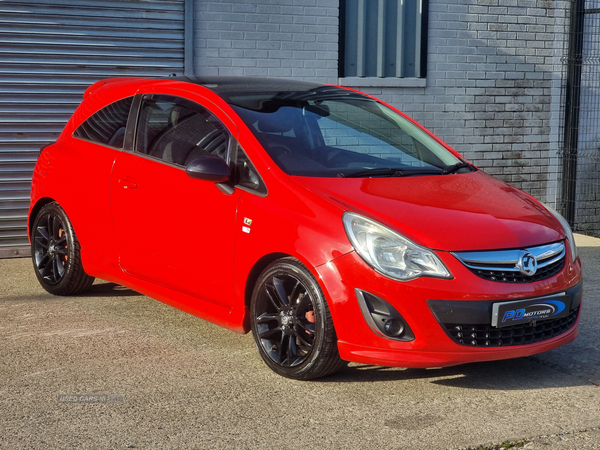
(225, 85)
(253, 92)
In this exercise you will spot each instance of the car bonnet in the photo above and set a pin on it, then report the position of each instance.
(459, 212)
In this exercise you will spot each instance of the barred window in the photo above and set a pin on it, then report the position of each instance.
(383, 38)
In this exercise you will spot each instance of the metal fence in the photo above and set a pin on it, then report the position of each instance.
(580, 151)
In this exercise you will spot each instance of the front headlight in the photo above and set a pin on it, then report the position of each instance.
(567, 229)
(390, 253)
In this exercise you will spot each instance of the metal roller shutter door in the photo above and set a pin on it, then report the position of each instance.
(50, 52)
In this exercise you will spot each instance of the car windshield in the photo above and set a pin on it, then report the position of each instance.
(341, 136)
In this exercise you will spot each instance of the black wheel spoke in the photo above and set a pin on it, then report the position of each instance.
(292, 350)
(52, 228)
(41, 242)
(62, 251)
(266, 334)
(306, 325)
(56, 266)
(272, 296)
(49, 222)
(280, 290)
(42, 265)
(267, 317)
(47, 270)
(60, 265)
(303, 341)
(44, 233)
(282, 348)
(52, 269)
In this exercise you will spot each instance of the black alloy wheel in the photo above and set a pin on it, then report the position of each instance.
(55, 253)
(50, 249)
(283, 328)
(291, 322)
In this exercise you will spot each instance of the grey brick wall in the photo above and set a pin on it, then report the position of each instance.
(493, 79)
(276, 38)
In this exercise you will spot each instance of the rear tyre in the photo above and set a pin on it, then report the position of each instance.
(55, 253)
(291, 322)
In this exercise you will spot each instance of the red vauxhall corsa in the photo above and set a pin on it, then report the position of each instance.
(325, 221)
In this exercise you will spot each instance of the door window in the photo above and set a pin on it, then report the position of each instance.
(178, 131)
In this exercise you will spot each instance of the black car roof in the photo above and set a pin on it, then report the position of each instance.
(252, 92)
(231, 85)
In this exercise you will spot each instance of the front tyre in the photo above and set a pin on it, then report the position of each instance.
(55, 253)
(291, 322)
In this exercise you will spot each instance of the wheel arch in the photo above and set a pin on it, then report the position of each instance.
(255, 272)
(259, 266)
(35, 209)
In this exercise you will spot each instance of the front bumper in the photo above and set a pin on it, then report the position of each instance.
(433, 345)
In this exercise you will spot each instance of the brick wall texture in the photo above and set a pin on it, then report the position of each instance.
(275, 38)
(493, 69)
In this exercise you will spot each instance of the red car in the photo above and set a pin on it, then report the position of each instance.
(325, 221)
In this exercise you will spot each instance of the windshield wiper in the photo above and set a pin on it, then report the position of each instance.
(456, 167)
(390, 172)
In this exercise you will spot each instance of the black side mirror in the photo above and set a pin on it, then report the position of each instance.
(209, 168)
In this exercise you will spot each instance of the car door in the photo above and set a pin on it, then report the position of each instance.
(171, 229)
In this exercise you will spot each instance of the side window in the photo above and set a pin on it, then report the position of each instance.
(107, 126)
(178, 131)
(246, 173)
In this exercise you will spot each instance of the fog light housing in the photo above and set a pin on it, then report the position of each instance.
(383, 318)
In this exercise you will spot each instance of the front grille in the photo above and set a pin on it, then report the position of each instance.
(518, 277)
(505, 266)
(522, 334)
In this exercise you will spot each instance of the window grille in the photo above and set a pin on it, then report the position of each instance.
(383, 38)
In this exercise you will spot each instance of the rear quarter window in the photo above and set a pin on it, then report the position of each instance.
(107, 126)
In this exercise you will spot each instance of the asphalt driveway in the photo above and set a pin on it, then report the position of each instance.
(115, 369)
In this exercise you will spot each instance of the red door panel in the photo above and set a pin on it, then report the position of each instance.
(173, 230)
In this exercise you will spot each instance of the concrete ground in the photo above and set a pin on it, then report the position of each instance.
(176, 381)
